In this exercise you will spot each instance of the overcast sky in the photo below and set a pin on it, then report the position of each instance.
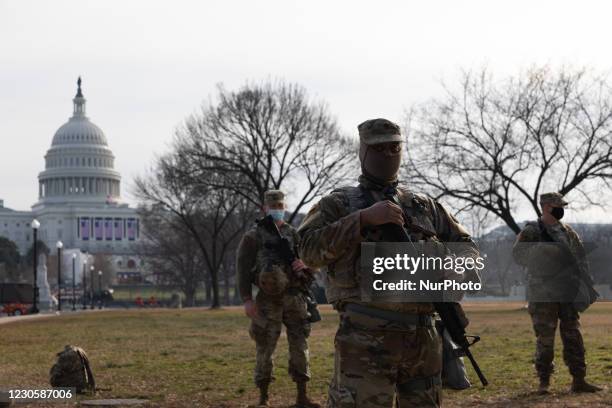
(146, 65)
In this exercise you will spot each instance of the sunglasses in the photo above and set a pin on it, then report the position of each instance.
(393, 148)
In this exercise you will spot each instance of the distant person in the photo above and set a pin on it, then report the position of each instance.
(279, 300)
(558, 287)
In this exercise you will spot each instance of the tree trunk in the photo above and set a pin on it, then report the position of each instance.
(190, 295)
(237, 299)
(214, 277)
(226, 288)
(207, 290)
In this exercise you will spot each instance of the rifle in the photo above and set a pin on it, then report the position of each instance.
(451, 313)
(288, 255)
(454, 321)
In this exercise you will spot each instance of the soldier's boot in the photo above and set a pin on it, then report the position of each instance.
(544, 384)
(263, 395)
(579, 384)
(302, 400)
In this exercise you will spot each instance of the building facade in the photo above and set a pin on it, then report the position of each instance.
(79, 197)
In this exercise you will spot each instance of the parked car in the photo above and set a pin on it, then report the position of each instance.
(15, 309)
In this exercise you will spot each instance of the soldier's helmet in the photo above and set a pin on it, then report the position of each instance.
(375, 131)
(274, 197)
(273, 280)
(553, 199)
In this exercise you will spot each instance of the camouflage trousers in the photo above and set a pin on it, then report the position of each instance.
(544, 316)
(291, 311)
(378, 362)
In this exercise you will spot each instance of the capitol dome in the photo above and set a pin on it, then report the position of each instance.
(79, 130)
(79, 166)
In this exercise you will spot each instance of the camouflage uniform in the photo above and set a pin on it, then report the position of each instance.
(546, 315)
(72, 370)
(377, 358)
(259, 264)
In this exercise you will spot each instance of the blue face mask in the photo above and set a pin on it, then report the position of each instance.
(277, 215)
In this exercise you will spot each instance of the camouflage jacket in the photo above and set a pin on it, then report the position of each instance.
(331, 236)
(541, 260)
(256, 254)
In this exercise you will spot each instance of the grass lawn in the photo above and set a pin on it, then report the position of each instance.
(204, 358)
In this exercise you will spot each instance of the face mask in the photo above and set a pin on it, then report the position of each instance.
(557, 212)
(277, 215)
(379, 165)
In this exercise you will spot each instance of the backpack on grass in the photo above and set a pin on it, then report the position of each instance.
(72, 370)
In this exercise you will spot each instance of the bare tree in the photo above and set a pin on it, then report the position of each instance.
(214, 217)
(171, 251)
(266, 136)
(224, 159)
(495, 144)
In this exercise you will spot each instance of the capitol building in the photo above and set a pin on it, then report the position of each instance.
(79, 197)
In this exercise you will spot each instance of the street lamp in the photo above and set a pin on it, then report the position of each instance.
(92, 286)
(84, 283)
(35, 226)
(100, 284)
(59, 246)
(73, 282)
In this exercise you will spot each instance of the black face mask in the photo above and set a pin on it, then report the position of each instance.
(379, 165)
(557, 212)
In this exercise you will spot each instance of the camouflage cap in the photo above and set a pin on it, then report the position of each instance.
(553, 198)
(375, 131)
(274, 196)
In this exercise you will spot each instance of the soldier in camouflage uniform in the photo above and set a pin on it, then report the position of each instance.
(383, 351)
(278, 300)
(545, 272)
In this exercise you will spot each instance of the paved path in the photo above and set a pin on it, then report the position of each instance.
(43, 315)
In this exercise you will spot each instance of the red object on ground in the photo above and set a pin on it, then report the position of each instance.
(15, 309)
(139, 302)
